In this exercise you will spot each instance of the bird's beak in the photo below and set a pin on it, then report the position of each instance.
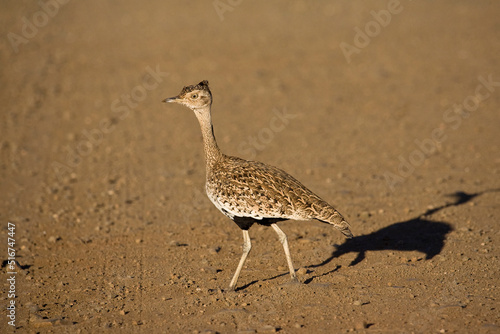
(171, 99)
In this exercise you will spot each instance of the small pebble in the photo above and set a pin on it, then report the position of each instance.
(53, 239)
(364, 215)
(302, 271)
(268, 329)
(214, 250)
(361, 325)
(38, 322)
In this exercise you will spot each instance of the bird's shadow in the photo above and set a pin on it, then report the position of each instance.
(417, 234)
(307, 281)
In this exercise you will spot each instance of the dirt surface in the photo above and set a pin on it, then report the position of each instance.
(389, 111)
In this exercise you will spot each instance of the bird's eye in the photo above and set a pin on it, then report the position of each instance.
(194, 96)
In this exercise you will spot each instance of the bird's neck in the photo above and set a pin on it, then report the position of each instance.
(212, 152)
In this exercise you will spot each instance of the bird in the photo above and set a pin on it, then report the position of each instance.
(251, 192)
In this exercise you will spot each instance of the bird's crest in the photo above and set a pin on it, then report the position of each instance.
(201, 86)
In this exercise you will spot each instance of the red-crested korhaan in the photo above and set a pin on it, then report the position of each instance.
(251, 192)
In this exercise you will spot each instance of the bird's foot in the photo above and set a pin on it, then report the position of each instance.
(230, 289)
(294, 281)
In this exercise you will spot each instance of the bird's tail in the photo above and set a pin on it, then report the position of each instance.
(336, 219)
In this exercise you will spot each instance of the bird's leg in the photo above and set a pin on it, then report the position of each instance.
(284, 241)
(247, 246)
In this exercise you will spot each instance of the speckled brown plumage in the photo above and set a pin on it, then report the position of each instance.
(251, 192)
(241, 188)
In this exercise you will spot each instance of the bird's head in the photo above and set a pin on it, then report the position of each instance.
(194, 97)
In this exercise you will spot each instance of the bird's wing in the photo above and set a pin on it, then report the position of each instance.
(253, 189)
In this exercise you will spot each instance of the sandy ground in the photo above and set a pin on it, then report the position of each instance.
(388, 110)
